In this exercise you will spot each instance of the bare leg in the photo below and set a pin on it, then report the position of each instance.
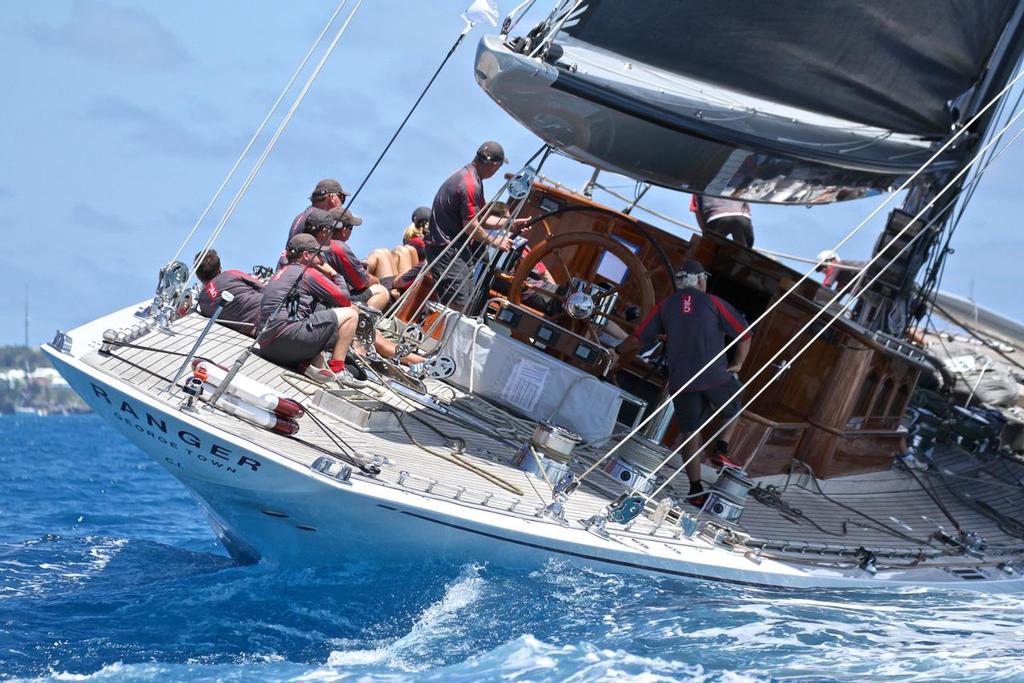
(380, 263)
(379, 297)
(347, 318)
(386, 348)
(406, 257)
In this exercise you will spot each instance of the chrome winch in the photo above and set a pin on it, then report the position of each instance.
(554, 441)
(728, 495)
(547, 454)
(628, 474)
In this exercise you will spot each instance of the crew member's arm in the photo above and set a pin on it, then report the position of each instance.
(642, 336)
(343, 259)
(325, 291)
(741, 354)
(733, 324)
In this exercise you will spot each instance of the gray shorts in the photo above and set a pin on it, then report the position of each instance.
(299, 341)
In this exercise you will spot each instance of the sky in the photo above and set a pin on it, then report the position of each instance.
(121, 119)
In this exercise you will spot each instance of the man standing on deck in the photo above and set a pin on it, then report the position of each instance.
(328, 194)
(725, 217)
(695, 325)
(455, 220)
(242, 313)
(303, 313)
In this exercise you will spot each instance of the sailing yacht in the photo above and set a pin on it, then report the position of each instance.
(525, 440)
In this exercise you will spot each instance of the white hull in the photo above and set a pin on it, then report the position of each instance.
(265, 505)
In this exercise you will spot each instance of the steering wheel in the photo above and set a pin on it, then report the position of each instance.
(553, 251)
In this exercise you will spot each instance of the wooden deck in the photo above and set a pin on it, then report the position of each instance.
(889, 513)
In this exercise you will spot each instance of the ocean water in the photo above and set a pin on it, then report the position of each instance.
(108, 572)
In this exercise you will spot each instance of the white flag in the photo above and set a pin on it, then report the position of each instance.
(482, 10)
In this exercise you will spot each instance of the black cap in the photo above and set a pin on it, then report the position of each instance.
(326, 187)
(300, 243)
(344, 216)
(690, 267)
(421, 214)
(491, 151)
(317, 219)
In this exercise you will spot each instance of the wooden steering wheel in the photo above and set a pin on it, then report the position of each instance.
(553, 250)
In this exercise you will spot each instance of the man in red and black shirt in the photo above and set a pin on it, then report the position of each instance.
(696, 326)
(454, 220)
(303, 313)
(328, 194)
(242, 313)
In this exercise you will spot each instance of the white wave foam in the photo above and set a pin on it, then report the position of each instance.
(439, 622)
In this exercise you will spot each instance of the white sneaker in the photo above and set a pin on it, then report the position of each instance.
(349, 380)
(320, 375)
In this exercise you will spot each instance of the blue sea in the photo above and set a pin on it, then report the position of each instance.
(109, 572)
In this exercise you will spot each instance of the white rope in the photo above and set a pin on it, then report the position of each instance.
(804, 277)
(277, 133)
(252, 140)
(810, 323)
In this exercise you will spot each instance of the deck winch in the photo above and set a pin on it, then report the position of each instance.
(729, 494)
(547, 454)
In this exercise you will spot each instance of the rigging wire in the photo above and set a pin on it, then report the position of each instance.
(458, 41)
(906, 183)
(277, 135)
(786, 364)
(259, 130)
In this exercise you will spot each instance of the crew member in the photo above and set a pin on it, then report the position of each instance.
(363, 286)
(454, 219)
(328, 194)
(242, 313)
(725, 217)
(838, 273)
(303, 313)
(695, 325)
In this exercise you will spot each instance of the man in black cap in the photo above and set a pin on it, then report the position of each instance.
(315, 316)
(695, 326)
(328, 194)
(242, 313)
(362, 285)
(454, 219)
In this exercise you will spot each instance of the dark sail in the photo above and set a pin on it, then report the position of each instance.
(895, 64)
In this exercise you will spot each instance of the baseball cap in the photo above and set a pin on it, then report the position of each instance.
(690, 267)
(828, 255)
(325, 187)
(317, 219)
(345, 217)
(302, 242)
(491, 151)
(421, 214)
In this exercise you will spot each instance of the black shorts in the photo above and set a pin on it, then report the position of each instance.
(738, 227)
(693, 408)
(298, 342)
(362, 296)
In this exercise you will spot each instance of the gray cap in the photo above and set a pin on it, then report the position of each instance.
(491, 151)
(421, 214)
(300, 243)
(344, 216)
(325, 187)
(317, 219)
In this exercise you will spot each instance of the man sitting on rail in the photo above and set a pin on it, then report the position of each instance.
(303, 313)
(243, 311)
(695, 325)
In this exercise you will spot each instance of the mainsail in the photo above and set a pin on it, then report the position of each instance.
(788, 101)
